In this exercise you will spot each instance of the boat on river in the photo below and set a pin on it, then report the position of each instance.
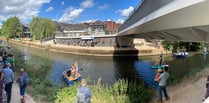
(181, 54)
(158, 66)
(204, 53)
(70, 78)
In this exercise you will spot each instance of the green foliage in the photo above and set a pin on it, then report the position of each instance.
(168, 45)
(12, 27)
(174, 45)
(40, 86)
(120, 92)
(42, 28)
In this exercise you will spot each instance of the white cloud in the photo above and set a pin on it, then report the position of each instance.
(109, 20)
(87, 4)
(62, 3)
(102, 7)
(23, 9)
(70, 14)
(121, 21)
(49, 9)
(88, 21)
(126, 12)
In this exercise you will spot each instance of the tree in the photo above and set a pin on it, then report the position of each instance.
(42, 28)
(174, 45)
(12, 27)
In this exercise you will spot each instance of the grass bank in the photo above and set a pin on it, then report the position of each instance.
(121, 92)
(40, 86)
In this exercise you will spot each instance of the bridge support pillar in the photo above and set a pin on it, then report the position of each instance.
(124, 42)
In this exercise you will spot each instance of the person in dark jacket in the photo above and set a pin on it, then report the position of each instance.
(1, 87)
(207, 89)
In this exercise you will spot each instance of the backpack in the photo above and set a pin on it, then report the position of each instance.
(25, 80)
(81, 97)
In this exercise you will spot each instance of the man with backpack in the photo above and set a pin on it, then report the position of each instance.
(84, 93)
(8, 77)
(23, 81)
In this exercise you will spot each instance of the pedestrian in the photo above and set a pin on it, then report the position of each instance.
(162, 84)
(8, 78)
(207, 89)
(23, 81)
(84, 93)
(1, 87)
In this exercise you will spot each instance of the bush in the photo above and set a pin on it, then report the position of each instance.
(40, 86)
(121, 92)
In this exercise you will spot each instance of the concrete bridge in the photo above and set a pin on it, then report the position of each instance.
(180, 20)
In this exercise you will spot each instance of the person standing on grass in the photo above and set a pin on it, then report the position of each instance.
(84, 93)
(162, 84)
(23, 81)
(8, 77)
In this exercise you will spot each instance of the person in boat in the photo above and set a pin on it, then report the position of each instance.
(160, 60)
(68, 72)
(204, 50)
(74, 70)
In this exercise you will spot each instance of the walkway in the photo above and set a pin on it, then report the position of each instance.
(16, 95)
(190, 90)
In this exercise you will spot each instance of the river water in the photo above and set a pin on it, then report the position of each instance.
(111, 69)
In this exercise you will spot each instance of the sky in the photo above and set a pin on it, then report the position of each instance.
(68, 11)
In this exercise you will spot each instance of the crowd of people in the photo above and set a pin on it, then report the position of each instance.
(87, 42)
(7, 76)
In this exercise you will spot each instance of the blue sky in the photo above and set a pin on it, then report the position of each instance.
(68, 11)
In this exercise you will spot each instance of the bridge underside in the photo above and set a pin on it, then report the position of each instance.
(186, 23)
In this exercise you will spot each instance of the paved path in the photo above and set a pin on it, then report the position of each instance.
(16, 95)
(190, 90)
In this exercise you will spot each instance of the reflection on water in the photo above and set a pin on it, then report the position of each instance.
(146, 73)
(110, 69)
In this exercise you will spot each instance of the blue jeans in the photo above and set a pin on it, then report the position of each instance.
(22, 91)
(160, 90)
(8, 89)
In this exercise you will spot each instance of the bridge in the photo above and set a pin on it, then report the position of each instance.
(180, 20)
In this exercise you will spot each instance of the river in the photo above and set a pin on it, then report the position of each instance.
(111, 69)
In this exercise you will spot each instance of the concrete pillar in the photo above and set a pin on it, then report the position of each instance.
(124, 42)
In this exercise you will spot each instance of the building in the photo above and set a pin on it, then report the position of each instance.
(92, 28)
(112, 27)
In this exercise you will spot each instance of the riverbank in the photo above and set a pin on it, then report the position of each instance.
(144, 50)
(191, 89)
